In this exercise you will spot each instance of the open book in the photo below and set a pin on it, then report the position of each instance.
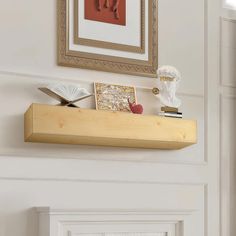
(66, 94)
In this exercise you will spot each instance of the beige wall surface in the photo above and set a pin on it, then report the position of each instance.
(228, 128)
(64, 176)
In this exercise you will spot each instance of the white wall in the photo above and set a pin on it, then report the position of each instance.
(228, 112)
(65, 176)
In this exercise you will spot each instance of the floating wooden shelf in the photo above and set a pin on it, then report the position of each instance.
(64, 125)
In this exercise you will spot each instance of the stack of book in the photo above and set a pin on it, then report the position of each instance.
(170, 112)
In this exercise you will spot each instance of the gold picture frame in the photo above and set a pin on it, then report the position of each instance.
(114, 97)
(102, 62)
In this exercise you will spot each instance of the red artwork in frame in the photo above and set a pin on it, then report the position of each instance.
(107, 11)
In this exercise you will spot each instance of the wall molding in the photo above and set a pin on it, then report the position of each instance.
(54, 222)
(169, 233)
(70, 80)
(102, 181)
(212, 109)
(225, 208)
(228, 14)
(10, 154)
(115, 211)
(228, 92)
(30, 169)
(223, 86)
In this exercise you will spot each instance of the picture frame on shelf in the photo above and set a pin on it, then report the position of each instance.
(120, 40)
(114, 97)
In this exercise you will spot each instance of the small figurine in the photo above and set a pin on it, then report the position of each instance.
(168, 79)
(135, 108)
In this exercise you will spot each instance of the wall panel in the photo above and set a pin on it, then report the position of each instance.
(228, 164)
(73, 177)
(228, 52)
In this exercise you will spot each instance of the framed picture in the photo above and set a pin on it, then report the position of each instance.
(114, 97)
(109, 35)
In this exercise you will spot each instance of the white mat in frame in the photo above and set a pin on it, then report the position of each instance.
(134, 40)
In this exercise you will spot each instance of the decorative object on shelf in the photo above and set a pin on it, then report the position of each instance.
(168, 79)
(114, 97)
(155, 91)
(171, 114)
(106, 128)
(114, 36)
(135, 108)
(169, 109)
(66, 94)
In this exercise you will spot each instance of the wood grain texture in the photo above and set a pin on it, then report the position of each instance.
(63, 125)
(28, 122)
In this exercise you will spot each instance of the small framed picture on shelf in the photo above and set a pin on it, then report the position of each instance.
(114, 97)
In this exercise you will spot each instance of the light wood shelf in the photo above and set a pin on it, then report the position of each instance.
(64, 125)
